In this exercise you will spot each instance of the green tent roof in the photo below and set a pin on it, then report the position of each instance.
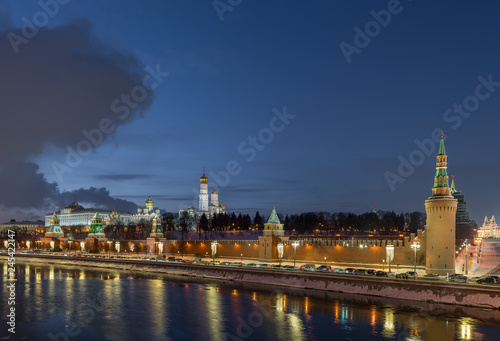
(273, 218)
(441, 146)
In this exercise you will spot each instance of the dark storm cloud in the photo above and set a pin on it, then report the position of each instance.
(158, 197)
(98, 197)
(122, 177)
(61, 83)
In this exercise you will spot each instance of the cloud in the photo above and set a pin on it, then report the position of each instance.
(122, 177)
(23, 187)
(60, 84)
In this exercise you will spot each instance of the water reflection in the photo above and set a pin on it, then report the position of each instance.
(109, 305)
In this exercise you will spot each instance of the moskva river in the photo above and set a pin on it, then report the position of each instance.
(63, 303)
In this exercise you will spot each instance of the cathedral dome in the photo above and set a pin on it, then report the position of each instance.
(203, 178)
(149, 202)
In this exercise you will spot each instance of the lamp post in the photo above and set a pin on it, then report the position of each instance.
(242, 258)
(383, 264)
(325, 260)
(415, 246)
(214, 251)
(294, 244)
(389, 249)
(280, 252)
(466, 254)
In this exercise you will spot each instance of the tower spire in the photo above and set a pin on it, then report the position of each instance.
(441, 178)
(452, 187)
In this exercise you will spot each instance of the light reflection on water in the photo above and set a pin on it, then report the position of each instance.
(111, 305)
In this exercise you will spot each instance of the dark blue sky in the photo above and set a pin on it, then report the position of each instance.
(352, 117)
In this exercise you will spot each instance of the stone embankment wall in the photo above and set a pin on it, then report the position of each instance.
(466, 295)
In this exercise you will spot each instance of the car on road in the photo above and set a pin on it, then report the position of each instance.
(359, 272)
(289, 267)
(349, 270)
(370, 272)
(381, 274)
(308, 267)
(324, 268)
(459, 278)
(486, 280)
(339, 271)
(432, 276)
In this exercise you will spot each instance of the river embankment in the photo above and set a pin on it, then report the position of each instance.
(423, 291)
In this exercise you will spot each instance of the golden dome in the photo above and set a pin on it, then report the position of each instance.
(149, 201)
(203, 178)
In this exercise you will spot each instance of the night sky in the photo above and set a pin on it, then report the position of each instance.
(311, 106)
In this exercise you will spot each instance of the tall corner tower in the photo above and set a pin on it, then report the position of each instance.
(203, 199)
(441, 211)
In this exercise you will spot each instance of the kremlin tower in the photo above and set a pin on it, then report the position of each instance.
(441, 211)
(203, 199)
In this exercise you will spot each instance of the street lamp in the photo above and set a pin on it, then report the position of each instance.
(160, 248)
(294, 244)
(383, 264)
(466, 254)
(242, 258)
(415, 246)
(280, 252)
(389, 251)
(325, 260)
(214, 251)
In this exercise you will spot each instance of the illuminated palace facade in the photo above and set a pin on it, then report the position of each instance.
(76, 215)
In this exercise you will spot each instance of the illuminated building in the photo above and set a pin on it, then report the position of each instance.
(96, 230)
(76, 215)
(54, 229)
(215, 206)
(490, 229)
(28, 226)
(146, 213)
